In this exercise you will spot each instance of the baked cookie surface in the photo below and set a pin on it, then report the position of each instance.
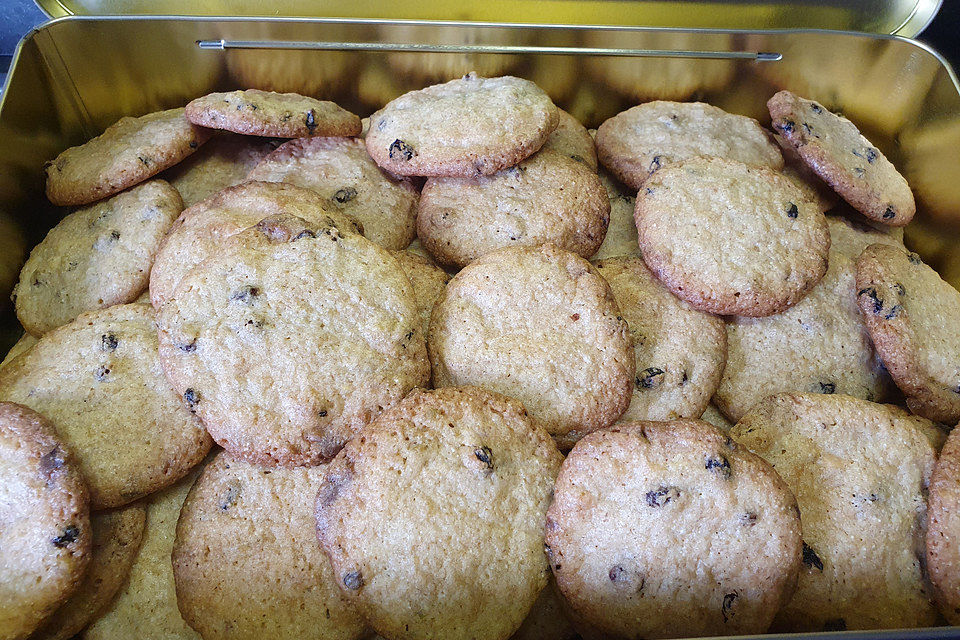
(45, 516)
(456, 482)
(851, 237)
(127, 153)
(268, 113)
(730, 238)
(572, 139)
(541, 325)
(943, 525)
(650, 526)
(466, 127)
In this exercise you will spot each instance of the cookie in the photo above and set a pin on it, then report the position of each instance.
(200, 230)
(223, 162)
(99, 382)
(836, 151)
(911, 314)
(245, 559)
(349, 181)
(428, 282)
(820, 345)
(803, 176)
(715, 417)
(621, 238)
(291, 339)
(548, 197)
(127, 153)
(571, 138)
(466, 127)
(849, 237)
(730, 238)
(44, 509)
(456, 483)
(22, 345)
(96, 257)
(943, 522)
(116, 540)
(636, 143)
(680, 352)
(651, 525)
(547, 619)
(146, 606)
(541, 325)
(266, 113)
(859, 471)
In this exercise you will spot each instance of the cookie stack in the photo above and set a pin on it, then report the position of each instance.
(291, 375)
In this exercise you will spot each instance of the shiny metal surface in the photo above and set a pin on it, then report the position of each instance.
(902, 17)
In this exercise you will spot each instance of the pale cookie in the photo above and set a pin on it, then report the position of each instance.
(99, 381)
(223, 162)
(834, 148)
(127, 153)
(849, 237)
(246, 562)
(146, 607)
(116, 541)
(730, 238)
(546, 198)
(803, 176)
(541, 325)
(22, 345)
(571, 138)
(45, 530)
(547, 619)
(820, 345)
(636, 143)
(859, 471)
(455, 483)
(200, 231)
(96, 257)
(671, 529)
(267, 113)
(680, 352)
(943, 530)
(621, 238)
(466, 127)
(291, 339)
(912, 316)
(428, 280)
(349, 181)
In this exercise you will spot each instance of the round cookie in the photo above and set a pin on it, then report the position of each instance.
(127, 153)
(621, 238)
(680, 352)
(466, 127)
(571, 138)
(428, 282)
(859, 471)
(267, 113)
(96, 257)
(548, 197)
(116, 540)
(541, 325)
(547, 619)
(651, 525)
(146, 607)
(291, 339)
(943, 523)
(836, 151)
(850, 237)
(22, 345)
(636, 143)
(456, 483)
(199, 232)
(341, 171)
(45, 535)
(729, 238)
(99, 382)
(245, 560)
(912, 315)
(223, 162)
(820, 345)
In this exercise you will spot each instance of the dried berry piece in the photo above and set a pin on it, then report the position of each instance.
(748, 519)
(810, 558)
(109, 342)
(827, 387)
(400, 149)
(191, 397)
(901, 291)
(345, 195)
(353, 580)
(889, 214)
(719, 465)
(188, 347)
(617, 574)
(726, 609)
(69, 536)
(872, 293)
(246, 294)
(51, 460)
(792, 211)
(485, 455)
(311, 121)
(650, 378)
(816, 108)
(306, 233)
(662, 495)
(229, 497)
(654, 164)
